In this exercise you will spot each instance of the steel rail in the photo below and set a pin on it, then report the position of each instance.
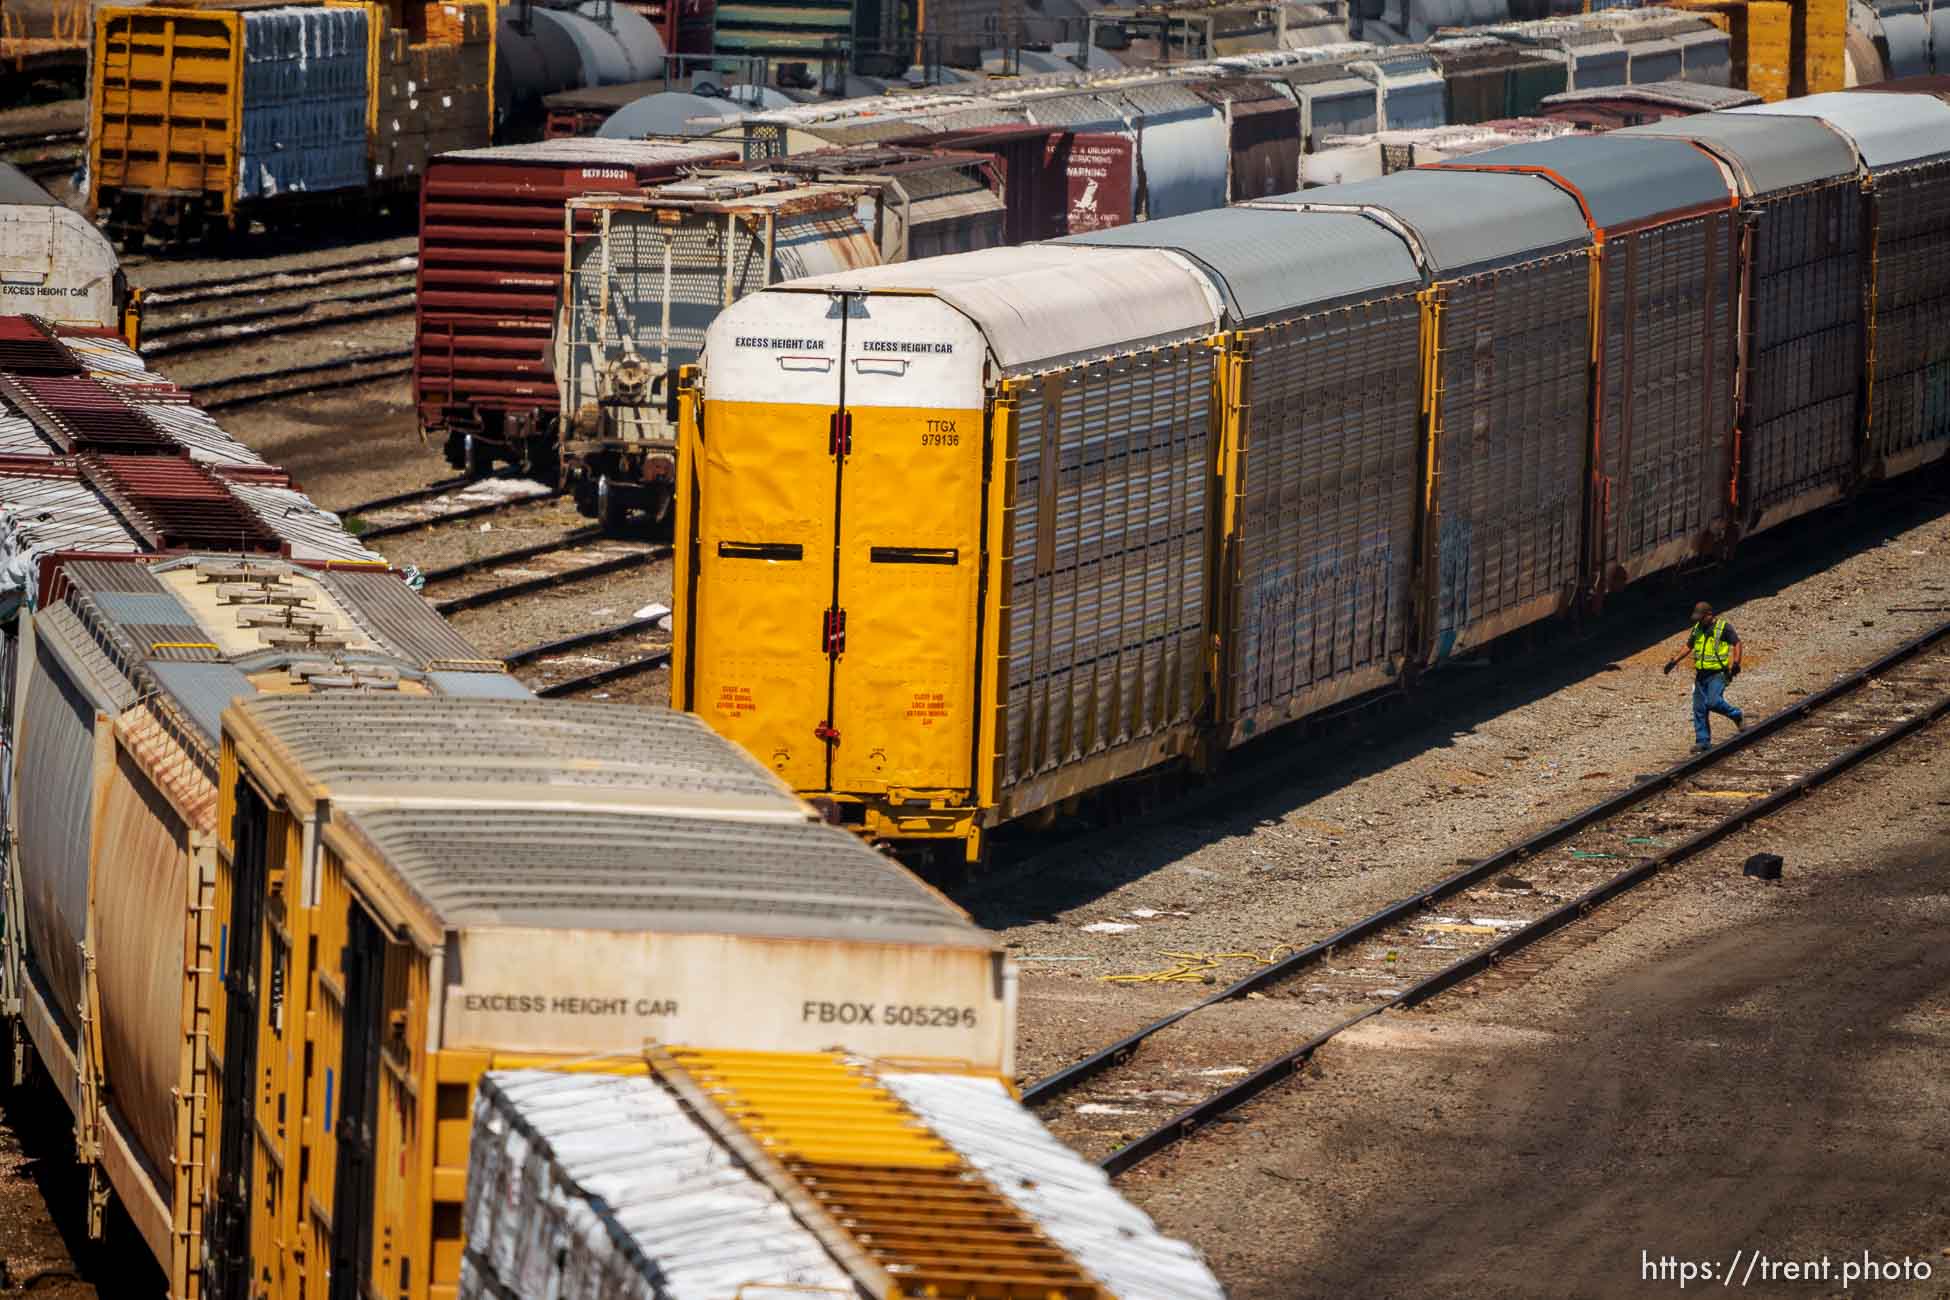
(529, 586)
(581, 639)
(28, 139)
(655, 659)
(310, 368)
(1287, 1065)
(174, 328)
(452, 516)
(52, 165)
(413, 498)
(465, 567)
(1054, 1085)
(171, 346)
(385, 370)
(367, 268)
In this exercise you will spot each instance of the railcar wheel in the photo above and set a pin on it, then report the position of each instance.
(610, 510)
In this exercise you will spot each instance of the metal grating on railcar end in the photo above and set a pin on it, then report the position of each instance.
(28, 348)
(80, 413)
(176, 503)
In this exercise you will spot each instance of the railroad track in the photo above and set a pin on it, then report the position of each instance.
(41, 154)
(358, 270)
(280, 382)
(1131, 1099)
(602, 674)
(611, 558)
(173, 338)
(417, 496)
(466, 500)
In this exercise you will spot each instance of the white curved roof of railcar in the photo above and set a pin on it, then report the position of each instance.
(1041, 306)
(53, 261)
(1887, 130)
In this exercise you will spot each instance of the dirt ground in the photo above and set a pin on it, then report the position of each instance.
(1305, 836)
(1736, 1067)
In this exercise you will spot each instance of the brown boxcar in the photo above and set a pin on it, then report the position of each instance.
(490, 273)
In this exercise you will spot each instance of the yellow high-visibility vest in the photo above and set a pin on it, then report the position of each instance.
(1710, 649)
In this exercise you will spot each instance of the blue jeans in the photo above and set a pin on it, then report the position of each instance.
(1710, 696)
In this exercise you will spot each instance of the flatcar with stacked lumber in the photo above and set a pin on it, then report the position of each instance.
(964, 540)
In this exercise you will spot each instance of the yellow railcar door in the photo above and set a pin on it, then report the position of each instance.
(766, 500)
(907, 566)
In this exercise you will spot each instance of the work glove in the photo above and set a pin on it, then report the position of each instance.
(1733, 671)
(1670, 664)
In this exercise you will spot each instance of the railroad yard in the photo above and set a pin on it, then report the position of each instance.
(1548, 1080)
(1467, 991)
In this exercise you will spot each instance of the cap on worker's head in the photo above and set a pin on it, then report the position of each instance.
(1702, 610)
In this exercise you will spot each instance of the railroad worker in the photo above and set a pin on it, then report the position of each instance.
(1715, 648)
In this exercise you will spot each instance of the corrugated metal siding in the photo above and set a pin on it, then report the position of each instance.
(202, 691)
(1329, 491)
(107, 358)
(312, 533)
(139, 940)
(113, 575)
(196, 432)
(55, 819)
(1910, 402)
(573, 868)
(1273, 263)
(141, 624)
(9, 713)
(1805, 357)
(957, 222)
(1666, 409)
(1107, 587)
(396, 616)
(379, 739)
(1514, 370)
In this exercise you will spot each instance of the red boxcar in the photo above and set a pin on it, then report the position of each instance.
(490, 274)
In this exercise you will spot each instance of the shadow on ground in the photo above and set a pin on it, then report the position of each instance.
(1029, 880)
